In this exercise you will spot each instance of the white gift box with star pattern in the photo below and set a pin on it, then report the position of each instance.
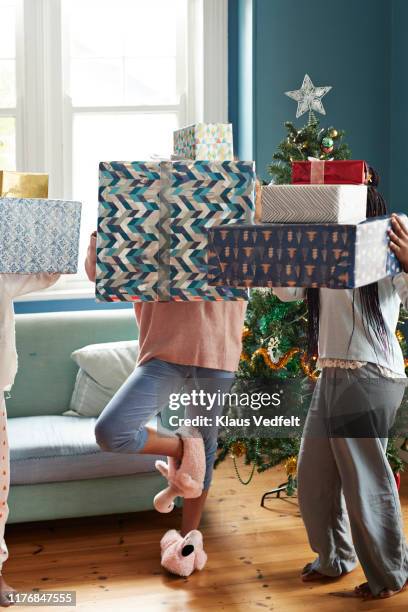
(39, 235)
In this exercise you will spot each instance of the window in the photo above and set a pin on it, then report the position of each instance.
(99, 80)
(125, 82)
(8, 84)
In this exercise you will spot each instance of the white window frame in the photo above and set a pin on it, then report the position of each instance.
(44, 113)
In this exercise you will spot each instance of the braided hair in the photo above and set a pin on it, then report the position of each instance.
(369, 297)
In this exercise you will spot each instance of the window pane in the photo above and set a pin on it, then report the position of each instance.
(7, 54)
(7, 143)
(7, 30)
(7, 84)
(97, 82)
(109, 137)
(122, 53)
(152, 28)
(150, 81)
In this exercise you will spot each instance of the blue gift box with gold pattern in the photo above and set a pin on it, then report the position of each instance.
(301, 255)
(38, 235)
(153, 217)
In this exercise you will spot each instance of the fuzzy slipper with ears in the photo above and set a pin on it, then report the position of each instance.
(185, 479)
(181, 556)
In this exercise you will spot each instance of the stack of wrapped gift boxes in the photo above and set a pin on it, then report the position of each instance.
(314, 233)
(154, 217)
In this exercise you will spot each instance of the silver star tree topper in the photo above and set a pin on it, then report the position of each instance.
(309, 97)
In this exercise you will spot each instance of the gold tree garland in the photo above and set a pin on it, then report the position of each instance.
(307, 368)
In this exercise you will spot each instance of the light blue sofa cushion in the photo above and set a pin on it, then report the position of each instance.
(103, 368)
(59, 448)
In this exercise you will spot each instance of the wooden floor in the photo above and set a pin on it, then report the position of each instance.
(254, 558)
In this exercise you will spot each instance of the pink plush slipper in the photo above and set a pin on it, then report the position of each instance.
(187, 479)
(181, 556)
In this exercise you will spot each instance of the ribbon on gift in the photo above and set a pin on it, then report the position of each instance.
(164, 227)
(317, 170)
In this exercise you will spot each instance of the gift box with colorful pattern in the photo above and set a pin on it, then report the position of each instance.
(314, 203)
(205, 141)
(39, 235)
(23, 184)
(153, 217)
(335, 172)
(301, 255)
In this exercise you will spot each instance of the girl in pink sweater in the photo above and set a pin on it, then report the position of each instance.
(183, 346)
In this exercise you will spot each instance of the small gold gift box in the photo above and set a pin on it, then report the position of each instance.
(23, 184)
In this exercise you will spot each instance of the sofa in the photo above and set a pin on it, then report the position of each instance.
(57, 469)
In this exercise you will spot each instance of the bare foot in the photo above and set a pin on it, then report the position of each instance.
(364, 592)
(5, 591)
(310, 575)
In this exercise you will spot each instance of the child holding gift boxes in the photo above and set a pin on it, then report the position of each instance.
(182, 346)
(11, 286)
(344, 477)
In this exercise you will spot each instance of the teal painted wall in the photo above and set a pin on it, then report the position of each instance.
(399, 103)
(345, 44)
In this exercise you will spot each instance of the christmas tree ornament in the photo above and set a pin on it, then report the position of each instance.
(273, 350)
(309, 98)
(291, 466)
(333, 133)
(327, 145)
(237, 449)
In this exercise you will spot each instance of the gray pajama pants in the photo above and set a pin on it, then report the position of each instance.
(347, 493)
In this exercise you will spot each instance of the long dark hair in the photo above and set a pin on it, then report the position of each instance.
(369, 298)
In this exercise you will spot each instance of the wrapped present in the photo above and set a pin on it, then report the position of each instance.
(301, 255)
(153, 218)
(314, 203)
(23, 184)
(335, 172)
(205, 141)
(39, 235)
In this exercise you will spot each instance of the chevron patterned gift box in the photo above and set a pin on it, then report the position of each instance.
(314, 203)
(205, 141)
(153, 217)
(301, 255)
(39, 235)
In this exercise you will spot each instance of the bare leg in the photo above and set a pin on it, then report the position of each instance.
(192, 512)
(5, 590)
(158, 444)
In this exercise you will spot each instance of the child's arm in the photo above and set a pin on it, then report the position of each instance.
(20, 284)
(90, 261)
(289, 294)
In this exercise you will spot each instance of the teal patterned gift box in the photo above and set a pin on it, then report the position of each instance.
(39, 235)
(336, 256)
(153, 222)
(205, 141)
